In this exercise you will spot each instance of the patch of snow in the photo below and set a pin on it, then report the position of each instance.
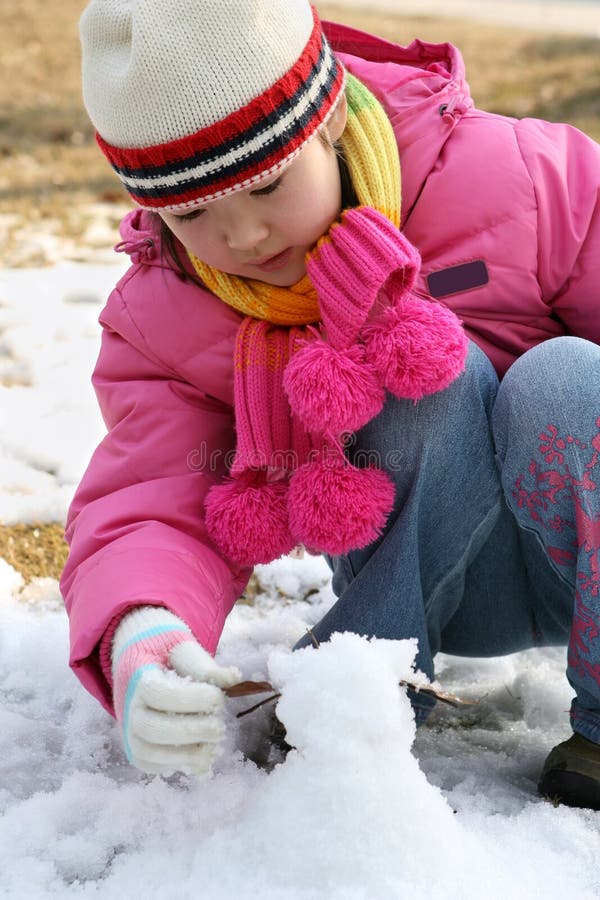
(49, 421)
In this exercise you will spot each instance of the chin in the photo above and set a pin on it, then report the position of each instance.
(285, 278)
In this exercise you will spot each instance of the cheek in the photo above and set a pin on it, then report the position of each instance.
(315, 207)
(199, 239)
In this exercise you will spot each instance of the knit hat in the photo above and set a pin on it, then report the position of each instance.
(194, 99)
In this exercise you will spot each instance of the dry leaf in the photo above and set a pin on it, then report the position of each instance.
(245, 688)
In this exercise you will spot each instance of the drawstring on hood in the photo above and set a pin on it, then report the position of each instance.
(140, 250)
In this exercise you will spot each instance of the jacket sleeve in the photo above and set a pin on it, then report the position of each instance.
(564, 165)
(135, 526)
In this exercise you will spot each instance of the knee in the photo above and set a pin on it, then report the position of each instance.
(554, 369)
(557, 381)
(479, 375)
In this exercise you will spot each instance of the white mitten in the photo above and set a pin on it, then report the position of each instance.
(167, 693)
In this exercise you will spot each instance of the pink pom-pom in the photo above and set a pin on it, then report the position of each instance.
(248, 520)
(332, 390)
(335, 507)
(418, 346)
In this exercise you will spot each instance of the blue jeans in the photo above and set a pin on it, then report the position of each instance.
(493, 545)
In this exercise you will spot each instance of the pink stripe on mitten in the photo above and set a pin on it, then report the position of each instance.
(143, 640)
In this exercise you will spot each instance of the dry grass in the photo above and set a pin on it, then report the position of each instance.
(46, 142)
(36, 551)
(50, 167)
(57, 191)
(510, 71)
(51, 172)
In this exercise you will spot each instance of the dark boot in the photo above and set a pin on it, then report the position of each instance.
(571, 773)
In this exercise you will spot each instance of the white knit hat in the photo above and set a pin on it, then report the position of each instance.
(193, 99)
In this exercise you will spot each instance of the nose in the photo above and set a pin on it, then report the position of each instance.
(245, 229)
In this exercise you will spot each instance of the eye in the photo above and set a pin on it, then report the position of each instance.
(262, 192)
(189, 217)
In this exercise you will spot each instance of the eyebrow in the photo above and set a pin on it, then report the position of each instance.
(189, 215)
(265, 186)
(192, 213)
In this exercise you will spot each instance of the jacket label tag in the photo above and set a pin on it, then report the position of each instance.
(455, 279)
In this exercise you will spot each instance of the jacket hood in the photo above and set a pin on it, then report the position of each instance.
(141, 238)
(442, 59)
(422, 88)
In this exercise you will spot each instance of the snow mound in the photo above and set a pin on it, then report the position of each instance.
(349, 814)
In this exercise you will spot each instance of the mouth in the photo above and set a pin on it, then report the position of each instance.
(270, 263)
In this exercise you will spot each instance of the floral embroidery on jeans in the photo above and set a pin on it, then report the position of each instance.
(562, 496)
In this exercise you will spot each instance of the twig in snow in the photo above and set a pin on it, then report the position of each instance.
(247, 688)
(313, 638)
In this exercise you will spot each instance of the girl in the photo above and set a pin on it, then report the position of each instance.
(274, 308)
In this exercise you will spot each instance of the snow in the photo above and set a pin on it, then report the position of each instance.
(49, 423)
(362, 809)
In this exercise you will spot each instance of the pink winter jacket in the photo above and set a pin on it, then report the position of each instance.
(505, 214)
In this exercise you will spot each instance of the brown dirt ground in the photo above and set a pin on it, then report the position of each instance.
(58, 196)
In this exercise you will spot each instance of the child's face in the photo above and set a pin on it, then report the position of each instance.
(264, 232)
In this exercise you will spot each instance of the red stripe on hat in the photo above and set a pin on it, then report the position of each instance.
(216, 187)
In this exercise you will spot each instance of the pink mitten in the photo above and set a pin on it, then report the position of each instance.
(378, 334)
(167, 693)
